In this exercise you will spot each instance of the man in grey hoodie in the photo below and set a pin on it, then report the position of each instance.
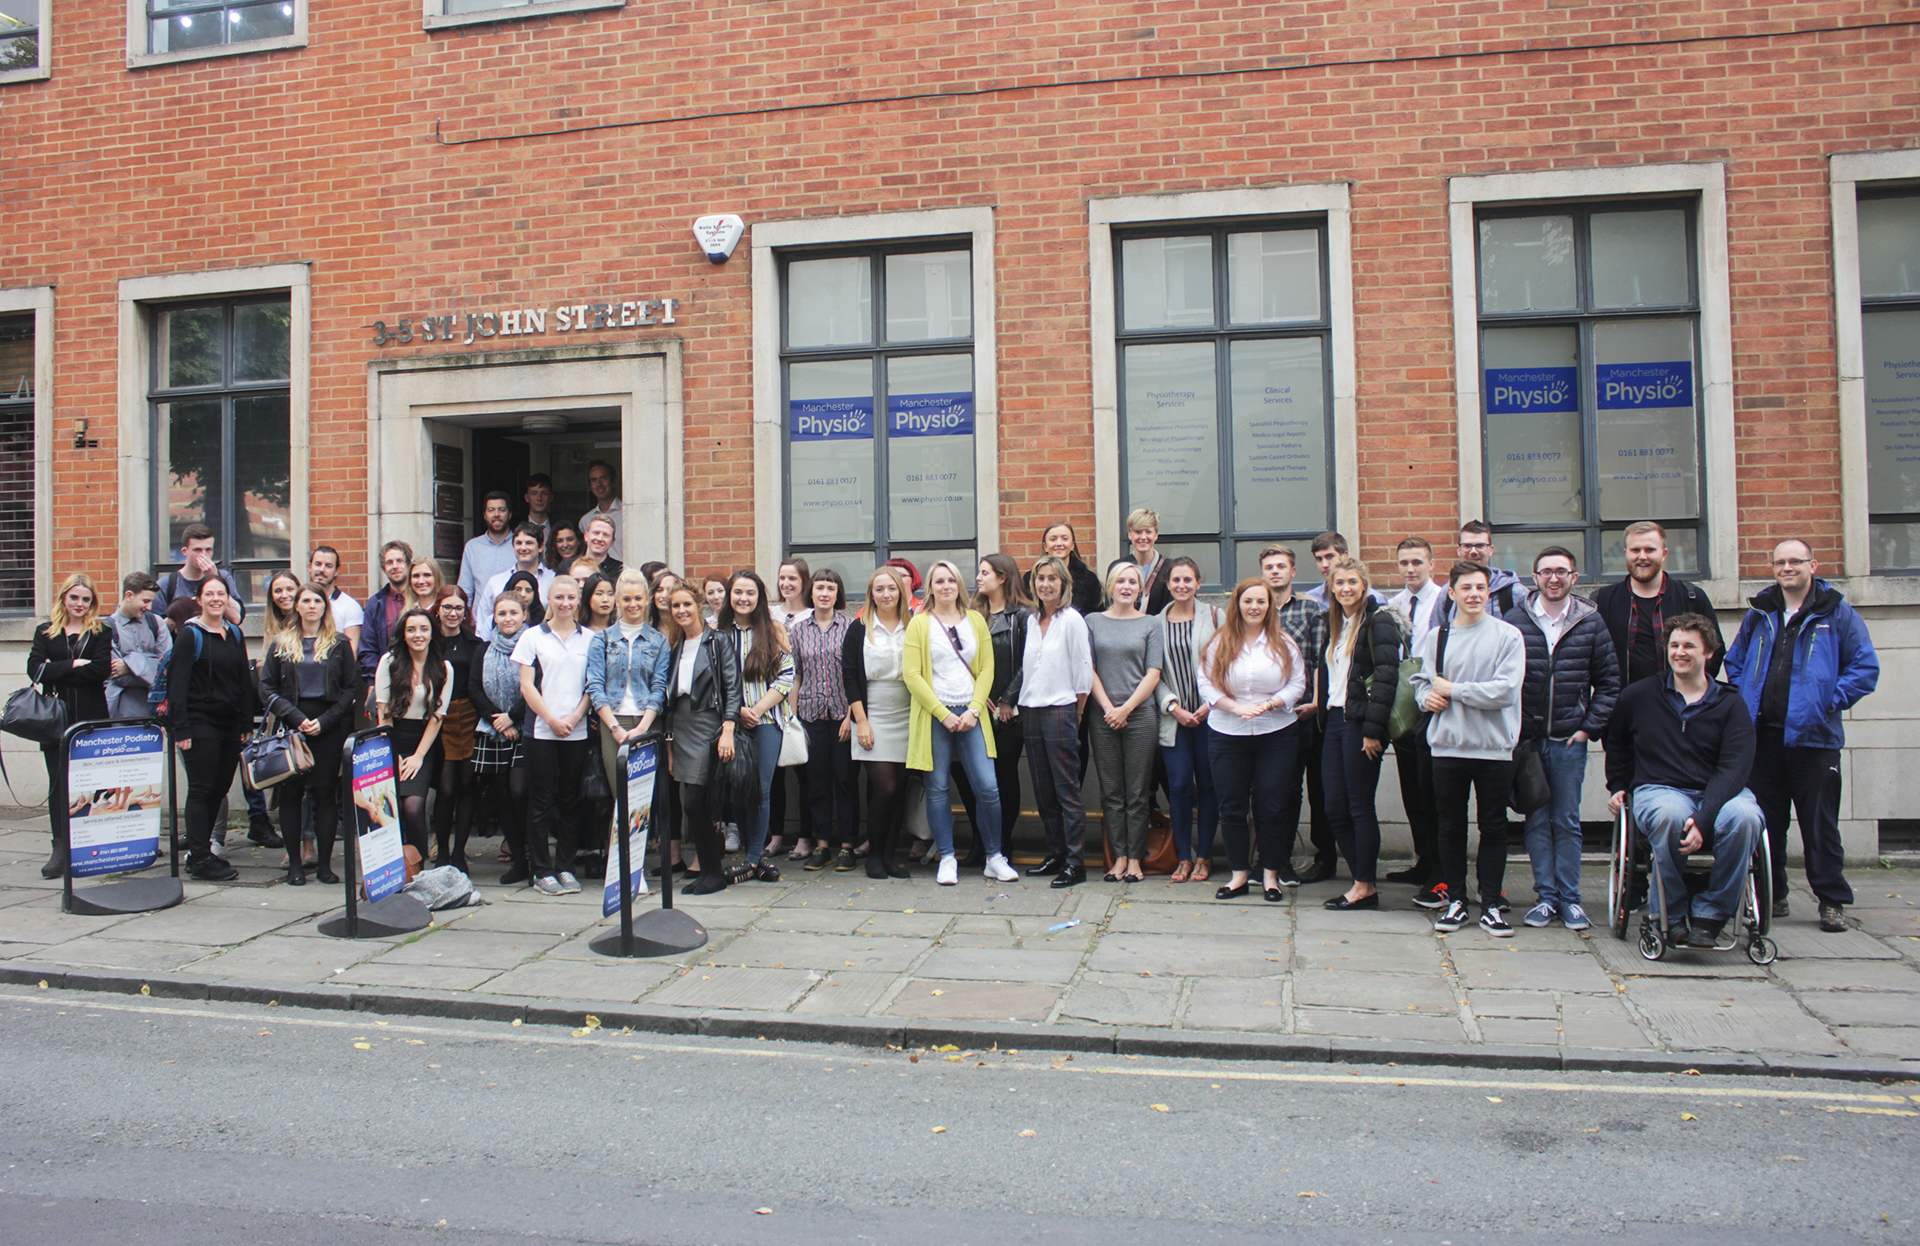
(1469, 681)
(141, 643)
(1572, 681)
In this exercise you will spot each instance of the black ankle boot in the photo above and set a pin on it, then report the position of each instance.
(57, 863)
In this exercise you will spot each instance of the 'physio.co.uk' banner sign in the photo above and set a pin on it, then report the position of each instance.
(643, 764)
(115, 780)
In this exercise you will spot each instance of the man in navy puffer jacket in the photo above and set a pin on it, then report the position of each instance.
(1572, 682)
(1802, 656)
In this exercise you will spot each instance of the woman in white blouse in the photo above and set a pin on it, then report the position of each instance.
(1251, 677)
(1056, 679)
(877, 698)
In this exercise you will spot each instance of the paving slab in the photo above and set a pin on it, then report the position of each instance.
(1866, 1040)
(417, 977)
(525, 917)
(956, 1000)
(93, 951)
(1228, 956)
(1375, 992)
(1887, 922)
(25, 951)
(1237, 1004)
(40, 920)
(1730, 1016)
(1314, 921)
(1528, 1030)
(1379, 953)
(1122, 999)
(610, 979)
(812, 921)
(312, 898)
(202, 924)
(1590, 1021)
(1863, 1007)
(1622, 956)
(1839, 975)
(775, 950)
(1513, 969)
(1000, 965)
(281, 958)
(469, 949)
(1519, 1005)
(1808, 942)
(847, 993)
(773, 990)
(1220, 919)
(965, 898)
(1417, 1026)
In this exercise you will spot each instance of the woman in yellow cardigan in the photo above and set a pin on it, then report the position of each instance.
(949, 673)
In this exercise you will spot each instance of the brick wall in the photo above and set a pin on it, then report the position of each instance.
(414, 168)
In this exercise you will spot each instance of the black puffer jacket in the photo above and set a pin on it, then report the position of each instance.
(1378, 647)
(1572, 686)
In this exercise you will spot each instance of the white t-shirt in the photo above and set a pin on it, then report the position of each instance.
(417, 706)
(952, 672)
(629, 704)
(543, 575)
(563, 674)
(683, 677)
(346, 611)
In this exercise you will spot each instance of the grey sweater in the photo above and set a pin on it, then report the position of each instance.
(1487, 664)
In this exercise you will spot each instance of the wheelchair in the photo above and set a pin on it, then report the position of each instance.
(1633, 882)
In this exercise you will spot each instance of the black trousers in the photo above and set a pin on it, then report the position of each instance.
(1490, 782)
(833, 803)
(554, 810)
(1414, 760)
(1326, 845)
(56, 759)
(209, 762)
(1803, 783)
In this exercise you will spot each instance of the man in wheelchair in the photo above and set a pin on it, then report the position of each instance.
(1681, 746)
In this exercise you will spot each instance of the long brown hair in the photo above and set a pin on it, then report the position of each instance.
(1009, 572)
(1338, 635)
(762, 661)
(432, 669)
(1233, 636)
(673, 630)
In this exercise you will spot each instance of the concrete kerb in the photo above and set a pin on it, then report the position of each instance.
(879, 1032)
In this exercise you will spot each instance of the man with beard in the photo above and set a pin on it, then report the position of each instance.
(1636, 609)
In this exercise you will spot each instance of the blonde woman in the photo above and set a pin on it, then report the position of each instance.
(1143, 535)
(310, 681)
(873, 669)
(71, 658)
(947, 664)
(1359, 668)
(1056, 679)
(1125, 735)
(424, 583)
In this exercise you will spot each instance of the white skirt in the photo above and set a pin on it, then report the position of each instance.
(887, 703)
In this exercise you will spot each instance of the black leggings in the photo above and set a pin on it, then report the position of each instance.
(505, 792)
(321, 785)
(553, 802)
(886, 806)
(210, 761)
(696, 812)
(453, 811)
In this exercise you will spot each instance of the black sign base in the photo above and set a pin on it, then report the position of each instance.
(135, 895)
(656, 932)
(396, 914)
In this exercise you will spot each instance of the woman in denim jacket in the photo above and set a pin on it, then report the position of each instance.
(626, 672)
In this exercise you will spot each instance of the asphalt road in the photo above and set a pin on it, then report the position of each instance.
(147, 1123)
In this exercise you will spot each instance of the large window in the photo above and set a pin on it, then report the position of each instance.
(160, 32)
(1890, 341)
(219, 397)
(1223, 339)
(877, 372)
(22, 26)
(16, 462)
(1589, 355)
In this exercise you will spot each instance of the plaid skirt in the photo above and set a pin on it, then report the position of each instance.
(493, 754)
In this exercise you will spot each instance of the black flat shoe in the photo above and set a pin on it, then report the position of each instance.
(296, 877)
(1341, 904)
(326, 876)
(1318, 872)
(876, 868)
(706, 885)
(1047, 868)
(1069, 876)
(1111, 877)
(1273, 895)
(1231, 893)
(1414, 874)
(897, 870)
(521, 874)
(1133, 878)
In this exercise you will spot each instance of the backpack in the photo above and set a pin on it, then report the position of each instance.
(157, 695)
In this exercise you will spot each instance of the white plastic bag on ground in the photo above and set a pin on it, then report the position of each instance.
(443, 888)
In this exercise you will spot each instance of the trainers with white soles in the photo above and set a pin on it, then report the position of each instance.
(1539, 915)
(949, 872)
(999, 871)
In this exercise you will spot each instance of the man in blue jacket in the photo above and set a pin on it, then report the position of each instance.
(1801, 657)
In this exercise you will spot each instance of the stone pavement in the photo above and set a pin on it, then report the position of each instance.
(1154, 967)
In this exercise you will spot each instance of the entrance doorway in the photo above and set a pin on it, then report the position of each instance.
(475, 455)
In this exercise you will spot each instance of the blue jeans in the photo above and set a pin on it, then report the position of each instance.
(1661, 813)
(1553, 833)
(970, 750)
(1349, 778)
(766, 742)
(1190, 773)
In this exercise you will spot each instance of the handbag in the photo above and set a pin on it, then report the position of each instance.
(739, 780)
(1531, 790)
(35, 714)
(793, 740)
(594, 788)
(1406, 716)
(270, 758)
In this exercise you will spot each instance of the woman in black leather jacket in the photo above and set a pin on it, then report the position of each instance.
(703, 698)
(1364, 641)
(1001, 597)
(71, 658)
(310, 681)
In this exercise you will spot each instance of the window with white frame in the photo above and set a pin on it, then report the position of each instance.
(1223, 336)
(1589, 367)
(18, 540)
(23, 25)
(441, 13)
(877, 373)
(219, 402)
(161, 32)
(1889, 233)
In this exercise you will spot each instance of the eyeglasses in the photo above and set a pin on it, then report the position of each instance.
(1552, 573)
(1485, 548)
(1790, 564)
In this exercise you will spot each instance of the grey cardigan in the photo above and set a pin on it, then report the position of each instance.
(1206, 621)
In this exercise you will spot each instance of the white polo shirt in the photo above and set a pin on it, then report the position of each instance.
(611, 513)
(563, 675)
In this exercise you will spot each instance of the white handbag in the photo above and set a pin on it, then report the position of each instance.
(793, 739)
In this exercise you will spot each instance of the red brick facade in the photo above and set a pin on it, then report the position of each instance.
(521, 162)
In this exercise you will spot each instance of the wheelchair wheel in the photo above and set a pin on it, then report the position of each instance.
(1763, 889)
(1761, 950)
(1653, 944)
(1620, 875)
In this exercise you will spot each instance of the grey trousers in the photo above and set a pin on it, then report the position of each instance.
(1125, 758)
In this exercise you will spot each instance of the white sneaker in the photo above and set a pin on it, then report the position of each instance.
(949, 872)
(999, 871)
